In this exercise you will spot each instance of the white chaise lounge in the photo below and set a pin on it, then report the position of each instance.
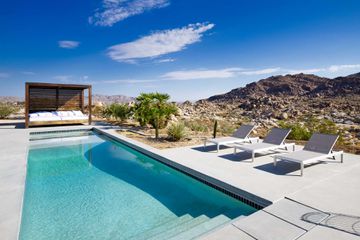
(272, 142)
(318, 148)
(239, 136)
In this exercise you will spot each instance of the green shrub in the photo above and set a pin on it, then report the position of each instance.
(122, 112)
(196, 126)
(6, 110)
(176, 131)
(226, 128)
(298, 132)
(98, 111)
(311, 125)
(118, 111)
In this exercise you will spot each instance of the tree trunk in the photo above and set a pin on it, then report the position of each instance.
(156, 129)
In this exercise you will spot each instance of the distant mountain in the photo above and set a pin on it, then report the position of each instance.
(108, 99)
(11, 99)
(294, 85)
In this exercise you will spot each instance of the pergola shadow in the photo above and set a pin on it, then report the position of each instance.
(12, 125)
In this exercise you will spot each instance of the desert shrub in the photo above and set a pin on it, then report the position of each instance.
(298, 132)
(196, 126)
(310, 126)
(118, 111)
(226, 128)
(98, 111)
(176, 131)
(154, 109)
(322, 126)
(122, 112)
(6, 110)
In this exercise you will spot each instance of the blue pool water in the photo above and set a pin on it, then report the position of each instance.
(91, 187)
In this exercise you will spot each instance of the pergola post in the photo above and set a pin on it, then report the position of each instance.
(27, 103)
(90, 103)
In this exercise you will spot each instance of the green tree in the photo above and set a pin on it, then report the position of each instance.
(154, 109)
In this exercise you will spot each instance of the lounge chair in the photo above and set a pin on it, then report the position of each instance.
(272, 142)
(318, 148)
(239, 136)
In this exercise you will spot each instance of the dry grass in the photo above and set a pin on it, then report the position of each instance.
(146, 135)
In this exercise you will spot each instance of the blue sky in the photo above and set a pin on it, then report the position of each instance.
(190, 49)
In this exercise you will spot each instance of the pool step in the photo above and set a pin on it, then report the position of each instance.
(201, 228)
(180, 228)
(162, 227)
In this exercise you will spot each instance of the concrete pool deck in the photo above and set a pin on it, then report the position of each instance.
(329, 191)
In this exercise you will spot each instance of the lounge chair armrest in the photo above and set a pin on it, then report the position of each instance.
(287, 145)
(337, 153)
(251, 139)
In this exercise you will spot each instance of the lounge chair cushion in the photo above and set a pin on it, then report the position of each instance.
(301, 156)
(243, 132)
(225, 139)
(277, 136)
(321, 143)
(258, 146)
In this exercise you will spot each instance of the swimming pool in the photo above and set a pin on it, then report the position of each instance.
(88, 186)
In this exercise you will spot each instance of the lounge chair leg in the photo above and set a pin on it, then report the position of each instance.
(252, 156)
(234, 150)
(342, 157)
(275, 161)
(218, 146)
(294, 148)
(302, 168)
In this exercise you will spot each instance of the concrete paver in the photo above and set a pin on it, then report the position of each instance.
(228, 232)
(262, 225)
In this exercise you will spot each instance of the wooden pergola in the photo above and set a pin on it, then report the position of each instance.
(55, 97)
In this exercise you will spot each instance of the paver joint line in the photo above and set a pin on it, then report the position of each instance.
(290, 199)
(245, 232)
(284, 220)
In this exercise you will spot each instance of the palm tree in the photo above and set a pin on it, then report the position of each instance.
(154, 109)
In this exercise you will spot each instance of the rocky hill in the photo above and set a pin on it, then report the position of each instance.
(292, 97)
(295, 85)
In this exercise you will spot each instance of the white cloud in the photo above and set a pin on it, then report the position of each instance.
(201, 74)
(63, 78)
(330, 69)
(4, 75)
(68, 44)
(159, 43)
(261, 71)
(338, 68)
(113, 11)
(217, 73)
(306, 71)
